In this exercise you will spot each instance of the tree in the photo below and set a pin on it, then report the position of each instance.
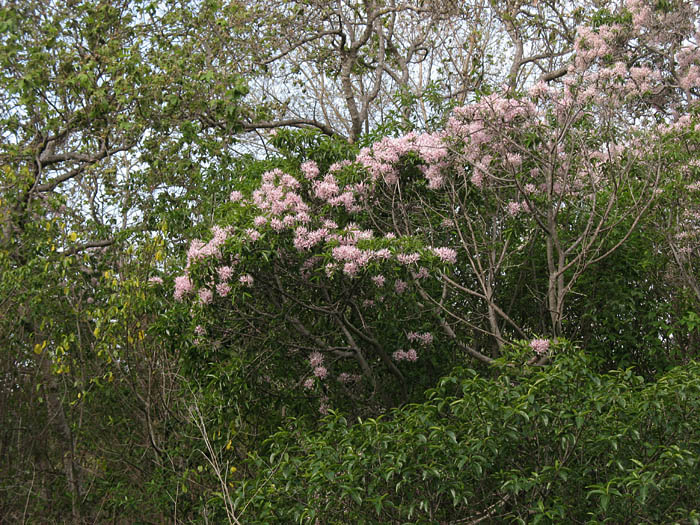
(92, 133)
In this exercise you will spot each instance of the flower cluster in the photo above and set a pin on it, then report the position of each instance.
(381, 160)
(424, 338)
(401, 355)
(540, 346)
(447, 255)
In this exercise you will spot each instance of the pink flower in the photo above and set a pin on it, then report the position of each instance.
(316, 359)
(199, 330)
(155, 280)
(447, 255)
(514, 159)
(205, 295)
(260, 221)
(246, 280)
(309, 169)
(421, 273)
(477, 178)
(309, 383)
(225, 272)
(540, 346)
(327, 188)
(379, 280)
(513, 208)
(223, 289)
(321, 372)
(235, 196)
(425, 338)
(323, 407)
(400, 286)
(337, 166)
(399, 355)
(350, 269)
(254, 235)
(183, 286)
(405, 258)
(195, 250)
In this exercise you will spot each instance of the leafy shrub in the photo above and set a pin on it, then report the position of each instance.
(561, 443)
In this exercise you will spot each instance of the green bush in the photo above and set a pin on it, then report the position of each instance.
(552, 444)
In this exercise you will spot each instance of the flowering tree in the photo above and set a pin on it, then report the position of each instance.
(294, 275)
(343, 275)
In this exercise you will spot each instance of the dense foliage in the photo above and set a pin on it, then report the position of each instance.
(362, 262)
(558, 444)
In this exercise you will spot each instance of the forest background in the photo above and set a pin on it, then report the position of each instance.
(349, 262)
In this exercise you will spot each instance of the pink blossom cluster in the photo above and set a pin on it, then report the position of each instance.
(223, 289)
(540, 346)
(327, 188)
(316, 359)
(183, 286)
(323, 407)
(225, 272)
(472, 121)
(379, 280)
(338, 166)
(422, 273)
(400, 286)
(591, 45)
(515, 208)
(353, 257)
(408, 258)
(206, 296)
(652, 37)
(425, 338)
(305, 239)
(277, 196)
(310, 169)
(382, 158)
(200, 250)
(478, 132)
(316, 362)
(252, 234)
(447, 255)
(401, 355)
